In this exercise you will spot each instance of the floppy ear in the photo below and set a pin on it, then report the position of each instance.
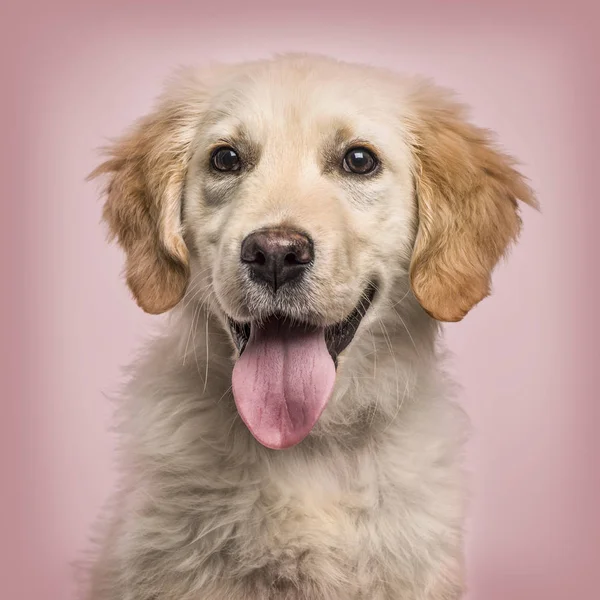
(146, 170)
(467, 192)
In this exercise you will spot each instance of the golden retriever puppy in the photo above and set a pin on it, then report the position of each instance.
(291, 434)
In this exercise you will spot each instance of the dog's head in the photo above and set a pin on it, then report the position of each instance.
(295, 196)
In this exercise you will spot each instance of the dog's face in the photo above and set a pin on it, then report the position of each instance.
(295, 198)
(299, 196)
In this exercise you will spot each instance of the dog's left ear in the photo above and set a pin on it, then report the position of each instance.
(467, 192)
(146, 170)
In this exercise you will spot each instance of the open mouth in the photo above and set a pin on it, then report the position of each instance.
(337, 336)
(286, 371)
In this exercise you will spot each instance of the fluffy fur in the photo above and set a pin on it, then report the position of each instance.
(371, 505)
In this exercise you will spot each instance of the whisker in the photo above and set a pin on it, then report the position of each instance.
(206, 360)
(398, 407)
(407, 331)
(393, 355)
(376, 405)
(185, 351)
(195, 320)
(229, 389)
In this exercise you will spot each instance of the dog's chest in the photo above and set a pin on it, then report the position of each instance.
(309, 524)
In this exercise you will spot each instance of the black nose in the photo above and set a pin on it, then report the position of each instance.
(278, 255)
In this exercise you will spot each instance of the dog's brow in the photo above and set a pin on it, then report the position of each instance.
(343, 134)
(237, 136)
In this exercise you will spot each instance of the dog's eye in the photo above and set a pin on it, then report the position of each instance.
(225, 159)
(359, 160)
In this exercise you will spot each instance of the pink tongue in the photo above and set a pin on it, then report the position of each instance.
(282, 382)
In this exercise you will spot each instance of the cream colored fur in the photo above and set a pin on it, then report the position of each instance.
(371, 505)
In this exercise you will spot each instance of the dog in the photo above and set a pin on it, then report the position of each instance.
(291, 434)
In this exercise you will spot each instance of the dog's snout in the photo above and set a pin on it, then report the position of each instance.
(278, 255)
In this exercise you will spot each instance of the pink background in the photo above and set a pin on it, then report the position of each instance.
(77, 74)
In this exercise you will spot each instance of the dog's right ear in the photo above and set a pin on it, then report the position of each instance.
(146, 170)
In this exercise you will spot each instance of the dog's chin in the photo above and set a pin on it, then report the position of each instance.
(286, 370)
